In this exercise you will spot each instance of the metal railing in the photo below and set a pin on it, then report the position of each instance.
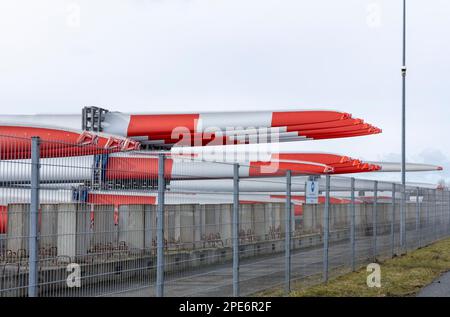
(76, 223)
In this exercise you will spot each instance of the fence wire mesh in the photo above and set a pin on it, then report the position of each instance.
(82, 220)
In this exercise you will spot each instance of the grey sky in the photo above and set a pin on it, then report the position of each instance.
(189, 55)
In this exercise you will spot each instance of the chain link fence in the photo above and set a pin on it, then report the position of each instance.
(81, 220)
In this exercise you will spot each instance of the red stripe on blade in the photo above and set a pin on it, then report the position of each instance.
(161, 124)
(286, 118)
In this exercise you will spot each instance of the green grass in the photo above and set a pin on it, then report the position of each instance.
(400, 276)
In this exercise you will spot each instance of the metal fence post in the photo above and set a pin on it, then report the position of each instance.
(288, 225)
(402, 219)
(435, 214)
(326, 221)
(427, 216)
(236, 230)
(441, 203)
(374, 220)
(418, 222)
(352, 223)
(160, 229)
(440, 214)
(393, 222)
(448, 207)
(430, 216)
(33, 220)
(442, 222)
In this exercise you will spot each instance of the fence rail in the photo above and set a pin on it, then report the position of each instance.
(110, 223)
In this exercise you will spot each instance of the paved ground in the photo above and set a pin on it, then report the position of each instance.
(439, 288)
(256, 274)
(259, 274)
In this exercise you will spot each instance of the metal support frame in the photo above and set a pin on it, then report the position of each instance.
(353, 223)
(288, 225)
(374, 221)
(92, 118)
(160, 229)
(235, 230)
(326, 222)
(33, 243)
(393, 222)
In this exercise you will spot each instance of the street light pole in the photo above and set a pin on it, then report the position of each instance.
(403, 169)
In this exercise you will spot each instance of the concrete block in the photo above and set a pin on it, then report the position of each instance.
(197, 224)
(278, 212)
(245, 217)
(105, 232)
(268, 217)
(226, 216)
(67, 229)
(202, 220)
(131, 226)
(177, 221)
(187, 230)
(259, 220)
(211, 226)
(17, 226)
(48, 228)
(292, 218)
(169, 223)
(149, 226)
(83, 229)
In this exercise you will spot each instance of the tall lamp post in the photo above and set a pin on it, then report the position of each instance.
(403, 169)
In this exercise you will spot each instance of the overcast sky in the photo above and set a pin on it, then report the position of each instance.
(199, 55)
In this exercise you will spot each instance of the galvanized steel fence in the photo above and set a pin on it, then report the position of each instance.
(81, 221)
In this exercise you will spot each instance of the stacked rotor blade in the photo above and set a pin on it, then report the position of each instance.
(410, 167)
(244, 127)
(15, 142)
(215, 128)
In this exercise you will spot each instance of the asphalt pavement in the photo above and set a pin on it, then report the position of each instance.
(439, 288)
